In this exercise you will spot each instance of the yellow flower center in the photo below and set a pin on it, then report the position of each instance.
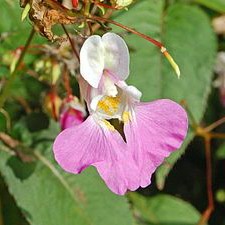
(109, 105)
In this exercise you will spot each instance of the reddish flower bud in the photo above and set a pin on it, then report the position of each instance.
(74, 3)
(72, 113)
(52, 103)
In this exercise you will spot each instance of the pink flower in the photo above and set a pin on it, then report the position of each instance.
(151, 130)
(72, 113)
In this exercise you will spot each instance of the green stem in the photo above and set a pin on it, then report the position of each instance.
(6, 89)
(86, 7)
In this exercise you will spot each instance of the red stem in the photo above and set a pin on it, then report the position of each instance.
(71, 43)
(207, 213)
(104, 5)
(153, 41)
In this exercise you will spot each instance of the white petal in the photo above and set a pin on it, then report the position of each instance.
(130, 90)
(116, 56)
(78, 106)
(94, 102)
(108, 87)
(92, 60)
(133, 92)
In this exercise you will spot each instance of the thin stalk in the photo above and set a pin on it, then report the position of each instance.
(146, 37)
(105, 5)
(87, 6)
(71, 43)
(217, 135)
(207, 213)
(12, 77)
(7, 117)
(66, 81)
(153, 41)
(23, 102)
(107, 15)
(215, 124)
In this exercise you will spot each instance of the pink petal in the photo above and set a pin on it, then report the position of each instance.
(119, 170)
(78, 147)
(71, 117)
(158, 129)
(93, 144)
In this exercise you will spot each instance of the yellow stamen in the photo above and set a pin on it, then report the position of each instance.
(109, 105)
(171, 61)
(126, 117)
(108, 125)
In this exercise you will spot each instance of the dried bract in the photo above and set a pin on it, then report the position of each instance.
(45, 14)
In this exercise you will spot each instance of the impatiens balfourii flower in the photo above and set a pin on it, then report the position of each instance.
(72, 112)
(151, 131)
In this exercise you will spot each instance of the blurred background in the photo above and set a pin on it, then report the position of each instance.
(38, 91)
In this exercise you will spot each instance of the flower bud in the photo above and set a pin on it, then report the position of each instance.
(72, 113)
(52, 104)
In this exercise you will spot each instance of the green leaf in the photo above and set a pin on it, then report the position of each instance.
(178, 28)
(14, 33)
(47, 195)
(10, 213)
(3, 71)
(217, 5)
(164, 210)
(10, 15)
(10, 24)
